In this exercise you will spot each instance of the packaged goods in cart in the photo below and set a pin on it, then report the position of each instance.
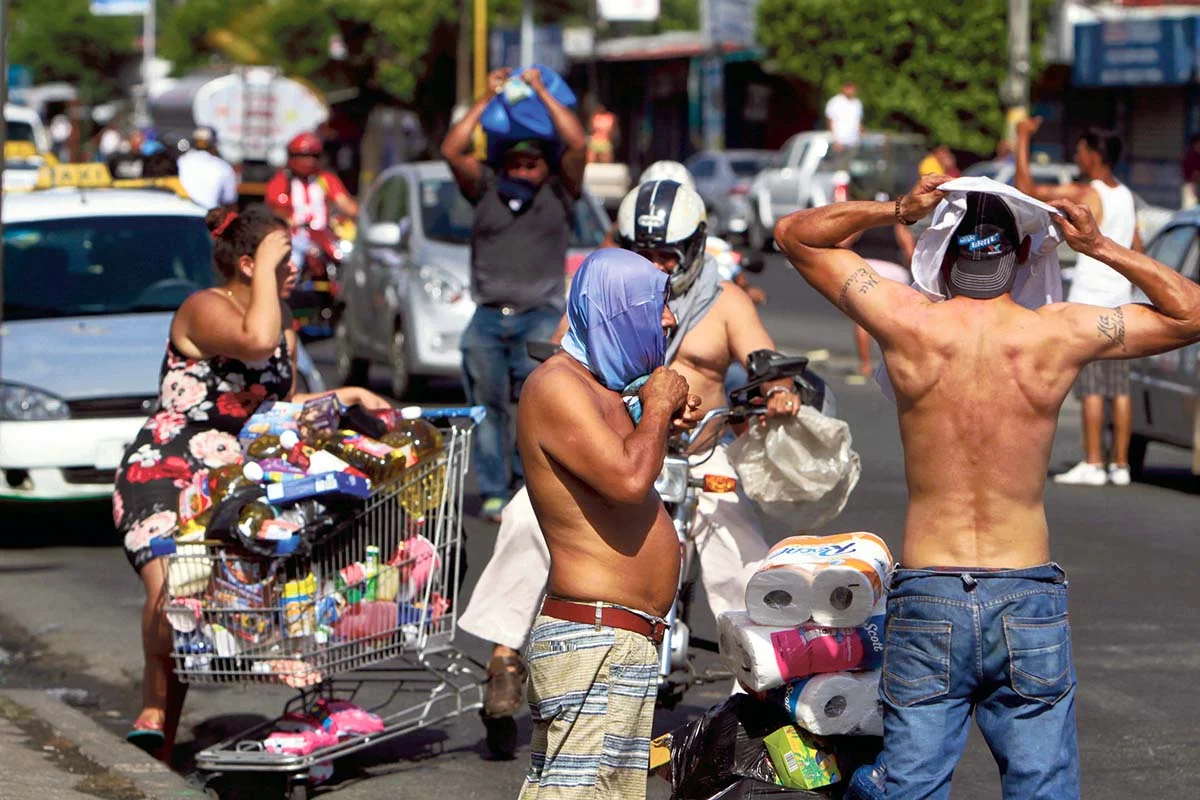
(411, 430)
(273, 471)
(317, 485)
(343, 718)
(416, 560)
(260, 520)
(310, 421)
(382, 463)
(323, 461)
(799, 760)
(206, 490)
(245, 598)
(300, 606)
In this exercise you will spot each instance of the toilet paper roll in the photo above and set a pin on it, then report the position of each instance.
(763, 657)
(780, 594)
(847, 575)
(829, 705)
(872, 723)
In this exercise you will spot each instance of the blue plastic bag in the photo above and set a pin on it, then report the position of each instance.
(507, 124)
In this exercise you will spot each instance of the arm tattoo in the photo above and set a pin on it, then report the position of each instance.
(1112, 327)
(863, 278)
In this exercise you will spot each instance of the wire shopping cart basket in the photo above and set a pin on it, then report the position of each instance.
(373, 602)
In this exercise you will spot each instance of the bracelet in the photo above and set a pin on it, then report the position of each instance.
(902, 219)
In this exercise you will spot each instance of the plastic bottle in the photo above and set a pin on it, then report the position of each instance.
(226, 480)
(424, 442)
(418, 433)
(381, 462)
(260, 520)
(271, 446)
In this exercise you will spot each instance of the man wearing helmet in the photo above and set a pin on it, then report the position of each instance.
(303, 193)
(717, 325)
(524, 211)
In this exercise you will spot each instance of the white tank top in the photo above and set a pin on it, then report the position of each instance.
(1096, 283)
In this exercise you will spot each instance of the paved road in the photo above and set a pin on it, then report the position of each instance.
(69, 608)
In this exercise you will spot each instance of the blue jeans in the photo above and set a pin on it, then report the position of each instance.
(495, 365)
(996, 644)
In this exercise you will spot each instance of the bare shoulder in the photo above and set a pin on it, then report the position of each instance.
(554, 380)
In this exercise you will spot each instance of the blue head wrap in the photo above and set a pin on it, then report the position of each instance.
(615, 314)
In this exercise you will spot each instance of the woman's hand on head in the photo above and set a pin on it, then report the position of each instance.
(274, 249)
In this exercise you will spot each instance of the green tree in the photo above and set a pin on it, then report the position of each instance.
(934, 68)
(63, 41)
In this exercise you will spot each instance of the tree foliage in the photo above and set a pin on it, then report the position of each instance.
(934, 68)
(63, 41)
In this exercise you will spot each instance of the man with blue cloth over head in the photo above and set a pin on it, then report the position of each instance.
(592, 427)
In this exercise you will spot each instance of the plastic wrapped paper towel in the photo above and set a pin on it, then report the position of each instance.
(836, 703)
(838, 581)
(763, 658)
(800, 469)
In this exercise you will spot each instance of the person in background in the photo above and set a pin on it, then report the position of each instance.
(157, 160)
(1097, 284)
(602, 135)
(230, 349)
(1191, 173)
(126, 163)
(1004, 152)
(304, 193)
(524, 212)
(843, 114)
(940, 161)
(208, 179)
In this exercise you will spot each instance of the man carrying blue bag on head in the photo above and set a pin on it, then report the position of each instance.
(524, 208)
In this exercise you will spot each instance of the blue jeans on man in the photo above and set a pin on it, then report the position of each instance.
(993, 643)
(495, 366)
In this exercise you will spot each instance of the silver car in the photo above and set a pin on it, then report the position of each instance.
(406, 296)
(1166, 388)
(723, 179)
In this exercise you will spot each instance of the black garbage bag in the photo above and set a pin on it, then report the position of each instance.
(750, 789)
(713, 752)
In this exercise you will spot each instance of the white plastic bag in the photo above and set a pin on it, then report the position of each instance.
(800, 470)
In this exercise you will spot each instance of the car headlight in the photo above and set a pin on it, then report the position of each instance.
(27, 404)
(440, 285)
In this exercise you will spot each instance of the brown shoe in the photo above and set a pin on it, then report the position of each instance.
(505, 686)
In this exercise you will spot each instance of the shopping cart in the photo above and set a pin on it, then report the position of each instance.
(381, 586)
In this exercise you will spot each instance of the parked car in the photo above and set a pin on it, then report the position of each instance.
(804, 172)
(723, 180)
(26, 147)
(92, 279)
(1166, 388)
(1150, 218)
(406, 287)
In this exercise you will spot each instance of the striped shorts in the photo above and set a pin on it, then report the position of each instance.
(1105, 378)
(591, 695)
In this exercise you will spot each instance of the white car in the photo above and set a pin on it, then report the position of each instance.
(25, 144)
(92, 278)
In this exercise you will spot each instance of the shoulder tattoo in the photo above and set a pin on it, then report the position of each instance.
(1112, 327)
(861, 280)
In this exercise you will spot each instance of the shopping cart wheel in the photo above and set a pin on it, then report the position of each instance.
(298, 790)
(501, 737)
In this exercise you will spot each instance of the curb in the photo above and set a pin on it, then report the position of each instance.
(152, 778)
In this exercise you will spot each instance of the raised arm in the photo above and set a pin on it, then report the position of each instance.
(570, 131)
(1134, 329)
(746, 334)
(810, 240)
(1023, 180)
(456, 148)
(572, 430)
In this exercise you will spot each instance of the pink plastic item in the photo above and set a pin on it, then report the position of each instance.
(343, 718)
(417, 559)
(299, 742)
(370, 619)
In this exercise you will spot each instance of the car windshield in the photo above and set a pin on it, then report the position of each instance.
(17, 131)
(747, 167)
(446, 216)
(103, 265)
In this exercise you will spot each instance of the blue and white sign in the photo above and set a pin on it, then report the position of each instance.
(120, 8)
(1135, 52)
(733, 21)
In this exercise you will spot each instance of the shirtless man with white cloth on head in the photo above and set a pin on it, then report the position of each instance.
(977, 612)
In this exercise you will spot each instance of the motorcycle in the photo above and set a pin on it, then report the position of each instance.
(314, 300)
(680, 491)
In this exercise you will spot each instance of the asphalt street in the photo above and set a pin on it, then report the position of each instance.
(70, 607)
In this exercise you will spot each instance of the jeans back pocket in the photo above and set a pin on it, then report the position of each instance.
(1039, 656)
(916, 660)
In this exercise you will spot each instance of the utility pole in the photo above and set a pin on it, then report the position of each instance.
(462, 62)
(3, 131)
(480, 47)
(526, 33)
(1015, 92)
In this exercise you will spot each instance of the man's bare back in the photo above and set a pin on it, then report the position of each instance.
(607, 531)
(979, 383)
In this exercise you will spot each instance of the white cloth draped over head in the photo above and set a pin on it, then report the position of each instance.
(1039, 280)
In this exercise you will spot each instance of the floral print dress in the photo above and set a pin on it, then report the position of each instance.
(202, 405)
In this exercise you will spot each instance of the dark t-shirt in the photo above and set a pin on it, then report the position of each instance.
(519, 259)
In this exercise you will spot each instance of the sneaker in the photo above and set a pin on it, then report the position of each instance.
(493, 507)
(1083, 474)
(1118, 474)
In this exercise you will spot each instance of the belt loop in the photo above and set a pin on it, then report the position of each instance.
(599, 613)
(969, 581)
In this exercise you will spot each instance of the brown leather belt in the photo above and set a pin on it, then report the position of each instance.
(600, 614)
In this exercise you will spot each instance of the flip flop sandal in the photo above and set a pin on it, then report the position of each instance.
(505, 686)
(147, 737)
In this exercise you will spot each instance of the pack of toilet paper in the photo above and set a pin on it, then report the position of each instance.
(838, 581)
(835, 704)
(765, 657)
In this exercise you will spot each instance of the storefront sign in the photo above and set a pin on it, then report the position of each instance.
(1135, 52)
(627, 10)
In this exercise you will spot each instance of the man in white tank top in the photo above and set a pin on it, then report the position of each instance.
(1097, 284)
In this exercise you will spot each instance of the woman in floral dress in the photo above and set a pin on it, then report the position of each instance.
(230, 349)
